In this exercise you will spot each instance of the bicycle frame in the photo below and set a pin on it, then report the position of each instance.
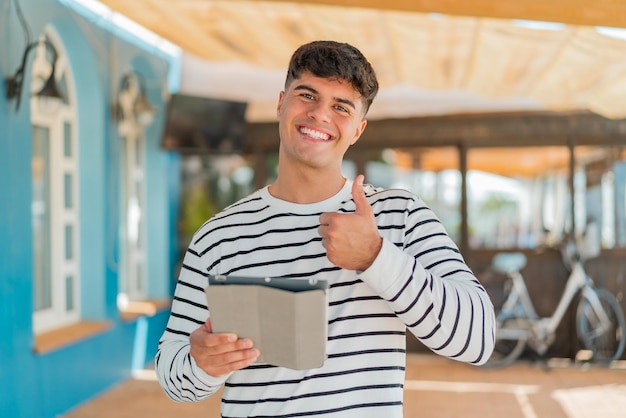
(541, 328)
(577, 279)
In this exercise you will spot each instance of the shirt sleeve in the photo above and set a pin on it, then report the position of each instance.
(433, 291)
(179, 375)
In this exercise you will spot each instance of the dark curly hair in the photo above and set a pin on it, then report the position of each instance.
(330, 59)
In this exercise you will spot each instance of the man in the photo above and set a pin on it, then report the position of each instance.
(390, 264)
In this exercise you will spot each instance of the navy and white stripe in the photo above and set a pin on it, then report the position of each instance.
(419, 281)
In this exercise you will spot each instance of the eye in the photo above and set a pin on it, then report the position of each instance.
(308, 96)
(342, 108)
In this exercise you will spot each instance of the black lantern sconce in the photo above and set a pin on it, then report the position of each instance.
(15, 83)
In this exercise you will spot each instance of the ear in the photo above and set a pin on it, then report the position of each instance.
(359, 130)
(281, 96)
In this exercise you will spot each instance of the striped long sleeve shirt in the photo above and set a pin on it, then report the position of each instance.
(418, 282)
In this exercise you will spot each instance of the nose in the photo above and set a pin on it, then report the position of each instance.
(320, 111)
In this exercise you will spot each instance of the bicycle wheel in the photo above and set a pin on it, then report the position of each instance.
(605, 344)
(511, 336)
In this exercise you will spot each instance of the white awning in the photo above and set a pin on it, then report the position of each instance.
(427, 64)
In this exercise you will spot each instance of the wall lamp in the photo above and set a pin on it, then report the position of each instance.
(132, 101)
(15, 83)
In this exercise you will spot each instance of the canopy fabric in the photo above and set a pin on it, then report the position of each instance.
(428, 64)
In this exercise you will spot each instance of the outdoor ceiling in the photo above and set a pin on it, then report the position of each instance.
(432, 57)
(528, 162)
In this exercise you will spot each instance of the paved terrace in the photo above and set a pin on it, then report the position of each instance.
(435, 388)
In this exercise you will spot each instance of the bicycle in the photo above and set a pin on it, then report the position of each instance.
(600, 322)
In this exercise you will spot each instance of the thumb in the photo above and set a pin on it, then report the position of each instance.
(358, 195)
(207, 325)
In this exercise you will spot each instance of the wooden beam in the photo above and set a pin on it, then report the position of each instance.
(575, 12)
(473, 131)
(465, 234)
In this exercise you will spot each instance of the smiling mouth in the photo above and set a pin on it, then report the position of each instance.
(315, 134)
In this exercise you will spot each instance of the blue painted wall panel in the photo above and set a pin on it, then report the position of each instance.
(45, 385)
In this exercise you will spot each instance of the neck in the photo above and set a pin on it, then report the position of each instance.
(306, 189)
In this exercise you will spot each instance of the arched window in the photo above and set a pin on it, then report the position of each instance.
(55, 208)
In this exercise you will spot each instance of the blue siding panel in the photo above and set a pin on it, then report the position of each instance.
(49, 384)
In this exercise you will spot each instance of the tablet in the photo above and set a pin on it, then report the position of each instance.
(294, 285)
(286, 318)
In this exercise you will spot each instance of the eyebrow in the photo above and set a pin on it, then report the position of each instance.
(312, 90)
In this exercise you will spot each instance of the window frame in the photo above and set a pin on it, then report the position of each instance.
(133, 277)
(60, 119)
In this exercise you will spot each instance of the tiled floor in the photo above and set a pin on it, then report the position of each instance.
(435, 388)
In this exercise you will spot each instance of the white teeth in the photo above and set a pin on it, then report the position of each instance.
(315, 134)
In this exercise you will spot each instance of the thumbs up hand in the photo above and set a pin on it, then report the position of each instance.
(351, 240)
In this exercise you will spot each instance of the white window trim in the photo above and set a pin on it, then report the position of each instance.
(133, 280)
(55, 119)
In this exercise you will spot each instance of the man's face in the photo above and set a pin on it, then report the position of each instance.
(319, 118)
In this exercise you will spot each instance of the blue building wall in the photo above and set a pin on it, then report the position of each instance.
(46, 385)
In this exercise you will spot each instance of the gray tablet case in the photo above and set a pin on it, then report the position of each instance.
(286, 318)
